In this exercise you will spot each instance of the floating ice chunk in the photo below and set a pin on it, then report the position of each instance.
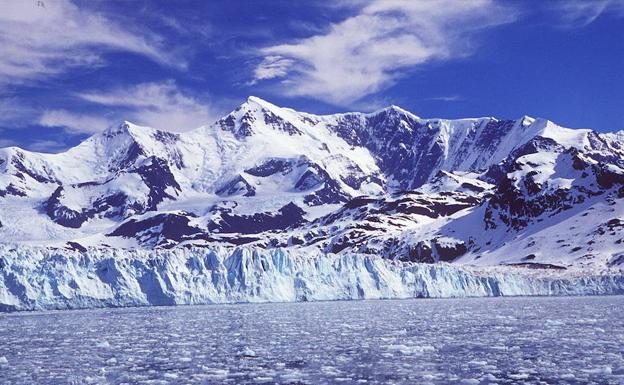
(3, 361)
(293, 375)
(330, 370)
(404, 349)
(103, 345)
(246, 352)
(489, 378)
(478, 362)
(214, 373)
(601, 370)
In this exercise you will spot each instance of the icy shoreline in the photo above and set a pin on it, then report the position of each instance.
(37, 278)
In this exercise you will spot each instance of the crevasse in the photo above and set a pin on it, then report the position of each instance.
(33, 278)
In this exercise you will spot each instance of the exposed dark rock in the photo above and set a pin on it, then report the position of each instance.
(311, 178)
(18, 163)
(287, 216)
(280, 124)
(534, 265)
(61, 214)
(76, 246)
(237, 186)
(270, 167)
(162, 227)
(12, 190)
(330, 193)
(447, 251)
(132, 155)
(157, 176)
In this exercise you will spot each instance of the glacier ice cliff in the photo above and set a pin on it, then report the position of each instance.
(34, 278)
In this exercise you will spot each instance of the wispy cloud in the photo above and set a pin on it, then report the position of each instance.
(160, 105)
(369, 51)
(14, 113)
(43, 38)
(73, 122)
(52, 146)
(580, 13)
(7, 143)
(446, 98)
(38, 145)
(272, 66)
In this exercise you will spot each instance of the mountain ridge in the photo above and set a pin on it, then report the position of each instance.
(387, 183)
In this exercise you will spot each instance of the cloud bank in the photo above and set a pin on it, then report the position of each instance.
(157, 104)
(369, 51)
(44, 38)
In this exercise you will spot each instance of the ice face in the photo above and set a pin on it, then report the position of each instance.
(42, 278)
(469, 341)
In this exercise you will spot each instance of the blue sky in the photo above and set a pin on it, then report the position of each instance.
(71, 69)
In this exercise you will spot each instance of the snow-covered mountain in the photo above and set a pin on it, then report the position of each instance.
(481, 191)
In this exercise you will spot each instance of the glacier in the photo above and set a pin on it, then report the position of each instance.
(38, 278)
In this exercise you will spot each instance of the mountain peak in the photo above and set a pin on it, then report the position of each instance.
(123, 127)
(254, 100)
(395, 109)
(129, 129)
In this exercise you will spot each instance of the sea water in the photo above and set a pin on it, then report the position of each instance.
(539, 340)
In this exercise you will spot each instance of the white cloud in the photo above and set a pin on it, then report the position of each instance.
(371, 50)
(580, 13)
(272, 67)
(51, 146)
(7, 143)
(39, 145)
(446, 98)
(42, 38)
(13, 113)
(73, 122)
(159, 105)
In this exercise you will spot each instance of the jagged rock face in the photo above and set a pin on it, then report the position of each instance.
(412, 151)
(157, 176)
(225, 221)
(542, 178)
(61, 214)
(170, 229)
(162, 230)
(386, 183)
(237, 186)
(271, 167)
(374, 225)
(11, 190)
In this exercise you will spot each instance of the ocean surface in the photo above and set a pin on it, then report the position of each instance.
(555, 340)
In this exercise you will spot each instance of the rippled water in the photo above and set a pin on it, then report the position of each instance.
(463, 341)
